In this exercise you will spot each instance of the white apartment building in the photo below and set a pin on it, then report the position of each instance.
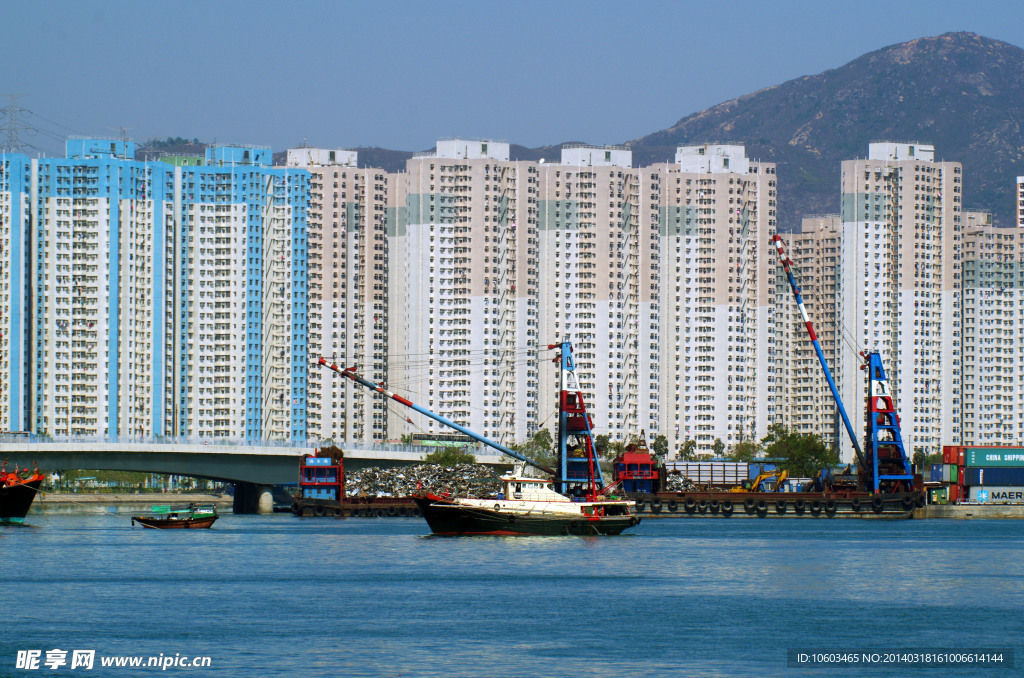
(897, 292)
(992, 268)
(598, 247)
(717, 268)
(463, 291)
(348, 311)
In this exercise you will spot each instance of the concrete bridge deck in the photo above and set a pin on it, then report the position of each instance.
(251, 468)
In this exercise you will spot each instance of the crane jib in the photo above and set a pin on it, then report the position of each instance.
(351, 374)
(786, 264)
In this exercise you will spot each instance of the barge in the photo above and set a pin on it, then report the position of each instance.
(882, 484)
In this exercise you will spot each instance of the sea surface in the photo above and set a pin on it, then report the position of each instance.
(283, 596)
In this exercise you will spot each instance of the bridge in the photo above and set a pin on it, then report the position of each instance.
(252, 469)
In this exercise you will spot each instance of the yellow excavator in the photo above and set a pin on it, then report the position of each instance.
(755, 485)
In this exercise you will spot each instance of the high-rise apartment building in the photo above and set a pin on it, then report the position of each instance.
(718, 380)
(238, 315)
(597, 263)
(154, 298)
(463, 290)
(992, 333)
(348, 304)
(503, 258)
(897, 294)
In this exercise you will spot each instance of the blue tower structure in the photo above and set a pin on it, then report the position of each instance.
(578, 469)
(260, 212)
(887, 462)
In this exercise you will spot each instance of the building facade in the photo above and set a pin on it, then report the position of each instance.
(992, 332)
(806, 401)
(714, 299)
(153, 298)
(463, 305)
(896, 287)
(597, 263)
(348, 304)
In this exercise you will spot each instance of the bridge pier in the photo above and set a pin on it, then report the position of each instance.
(253, 498)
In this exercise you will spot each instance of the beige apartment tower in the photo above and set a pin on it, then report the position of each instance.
(347, 292)
(806, 402)
(463, 313)
(897, 287)
(992, 343)
(714, 299)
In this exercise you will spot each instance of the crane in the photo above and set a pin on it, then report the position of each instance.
(886, 467)
(577, 468)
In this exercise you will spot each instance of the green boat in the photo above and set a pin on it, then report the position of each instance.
(191, 517)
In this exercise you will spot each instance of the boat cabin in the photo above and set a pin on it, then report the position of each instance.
(523, 488)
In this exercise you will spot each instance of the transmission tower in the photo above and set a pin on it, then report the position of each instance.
(13, 126)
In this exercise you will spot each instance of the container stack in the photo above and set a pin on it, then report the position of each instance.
(983, 475)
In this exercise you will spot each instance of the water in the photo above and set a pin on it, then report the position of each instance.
(282, 596)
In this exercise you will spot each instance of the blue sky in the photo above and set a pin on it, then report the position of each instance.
(402, 74)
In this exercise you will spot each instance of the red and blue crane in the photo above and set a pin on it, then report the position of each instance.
(886, 467)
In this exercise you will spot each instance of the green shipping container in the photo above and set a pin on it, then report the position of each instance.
(949, 473)
(994, 456)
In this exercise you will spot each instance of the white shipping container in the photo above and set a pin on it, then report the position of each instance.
(996, 494)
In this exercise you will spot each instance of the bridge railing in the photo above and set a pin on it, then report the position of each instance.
(8, 437)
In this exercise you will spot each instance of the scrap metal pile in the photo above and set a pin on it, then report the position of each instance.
(679, 483)
(463, 480)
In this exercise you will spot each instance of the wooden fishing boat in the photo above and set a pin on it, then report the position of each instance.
(191, 517)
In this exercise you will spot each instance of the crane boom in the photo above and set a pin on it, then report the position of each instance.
(786, 264)
(351, 374)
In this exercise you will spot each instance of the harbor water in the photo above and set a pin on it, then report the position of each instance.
(283, 596)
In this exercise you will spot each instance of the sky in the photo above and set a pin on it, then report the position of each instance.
(400, 74)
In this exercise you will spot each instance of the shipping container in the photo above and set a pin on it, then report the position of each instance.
(994, 456)
(949, 473)
(936, 473)
(996, 494)
(953, 454)
(994, 476)
(956, 492)
(938, 495)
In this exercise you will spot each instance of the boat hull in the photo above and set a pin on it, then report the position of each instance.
(452, 519)
(16, 500)
(174, 524)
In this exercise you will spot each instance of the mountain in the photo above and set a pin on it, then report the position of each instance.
(962, 92)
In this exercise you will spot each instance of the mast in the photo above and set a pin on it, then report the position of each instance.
(576, 455)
